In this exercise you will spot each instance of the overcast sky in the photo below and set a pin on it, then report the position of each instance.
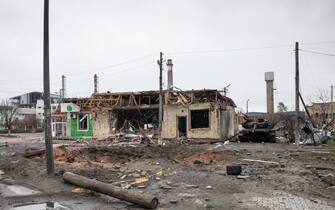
(213, 43)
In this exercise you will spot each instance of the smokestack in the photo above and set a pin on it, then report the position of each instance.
(95, 83)
(269, 77)
(63, 87)
(170, 74)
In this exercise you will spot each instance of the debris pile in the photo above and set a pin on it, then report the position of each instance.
(260, 131)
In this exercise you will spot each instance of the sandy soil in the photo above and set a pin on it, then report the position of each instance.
(181, 176)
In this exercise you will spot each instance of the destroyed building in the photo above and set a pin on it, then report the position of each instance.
(196, 114)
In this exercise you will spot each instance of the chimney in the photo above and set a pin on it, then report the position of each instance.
(62, 92)
(95, 83)
(269, 77)
(170, 74)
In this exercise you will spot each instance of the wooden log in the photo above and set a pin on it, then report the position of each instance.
(33, 152)
(109, 189)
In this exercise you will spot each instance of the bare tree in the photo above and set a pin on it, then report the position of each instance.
(321, 107)
(281, 107)
(7, 114)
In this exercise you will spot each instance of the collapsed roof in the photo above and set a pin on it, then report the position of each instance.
(149, 99)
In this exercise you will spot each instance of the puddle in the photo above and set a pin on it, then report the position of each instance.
(15, 190)
(41, 206)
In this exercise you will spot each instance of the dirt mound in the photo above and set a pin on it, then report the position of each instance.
(96, 154)
(206, 157)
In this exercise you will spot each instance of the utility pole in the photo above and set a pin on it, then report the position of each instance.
(160, 113)
(46, 84)
(95, 83)
(296, 133)
(225, 90)
(331, 100)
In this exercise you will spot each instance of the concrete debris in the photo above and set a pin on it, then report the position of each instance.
(141, 187)
(261, 161)
(199, 202)
(329, 179)
(189, 186)
(186, 195)
(208, 187)
(4, 144)
(242, 177)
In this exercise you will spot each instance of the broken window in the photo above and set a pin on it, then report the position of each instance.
(200, 118)
(83, 122)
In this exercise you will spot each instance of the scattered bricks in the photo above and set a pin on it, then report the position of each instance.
(234, 170)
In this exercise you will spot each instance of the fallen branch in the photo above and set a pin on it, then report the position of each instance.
(109, 189)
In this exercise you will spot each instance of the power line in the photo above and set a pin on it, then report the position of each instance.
(229, 50)
(316, 43)
(125, 62)
(131, 68)
(317, 52)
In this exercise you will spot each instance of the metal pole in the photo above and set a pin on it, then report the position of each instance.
(160, 63)
(296, 133)
(46, 83)
(248, 106)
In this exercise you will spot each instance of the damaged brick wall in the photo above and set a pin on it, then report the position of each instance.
(101, 123)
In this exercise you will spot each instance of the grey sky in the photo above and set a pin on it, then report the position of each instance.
(87, 35)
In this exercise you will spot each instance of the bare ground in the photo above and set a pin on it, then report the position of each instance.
(181, 176)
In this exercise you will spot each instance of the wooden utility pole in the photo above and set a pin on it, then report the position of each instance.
(46, 95)
(296, 133)
(160, 63)
(332, 100)
(142, 200)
